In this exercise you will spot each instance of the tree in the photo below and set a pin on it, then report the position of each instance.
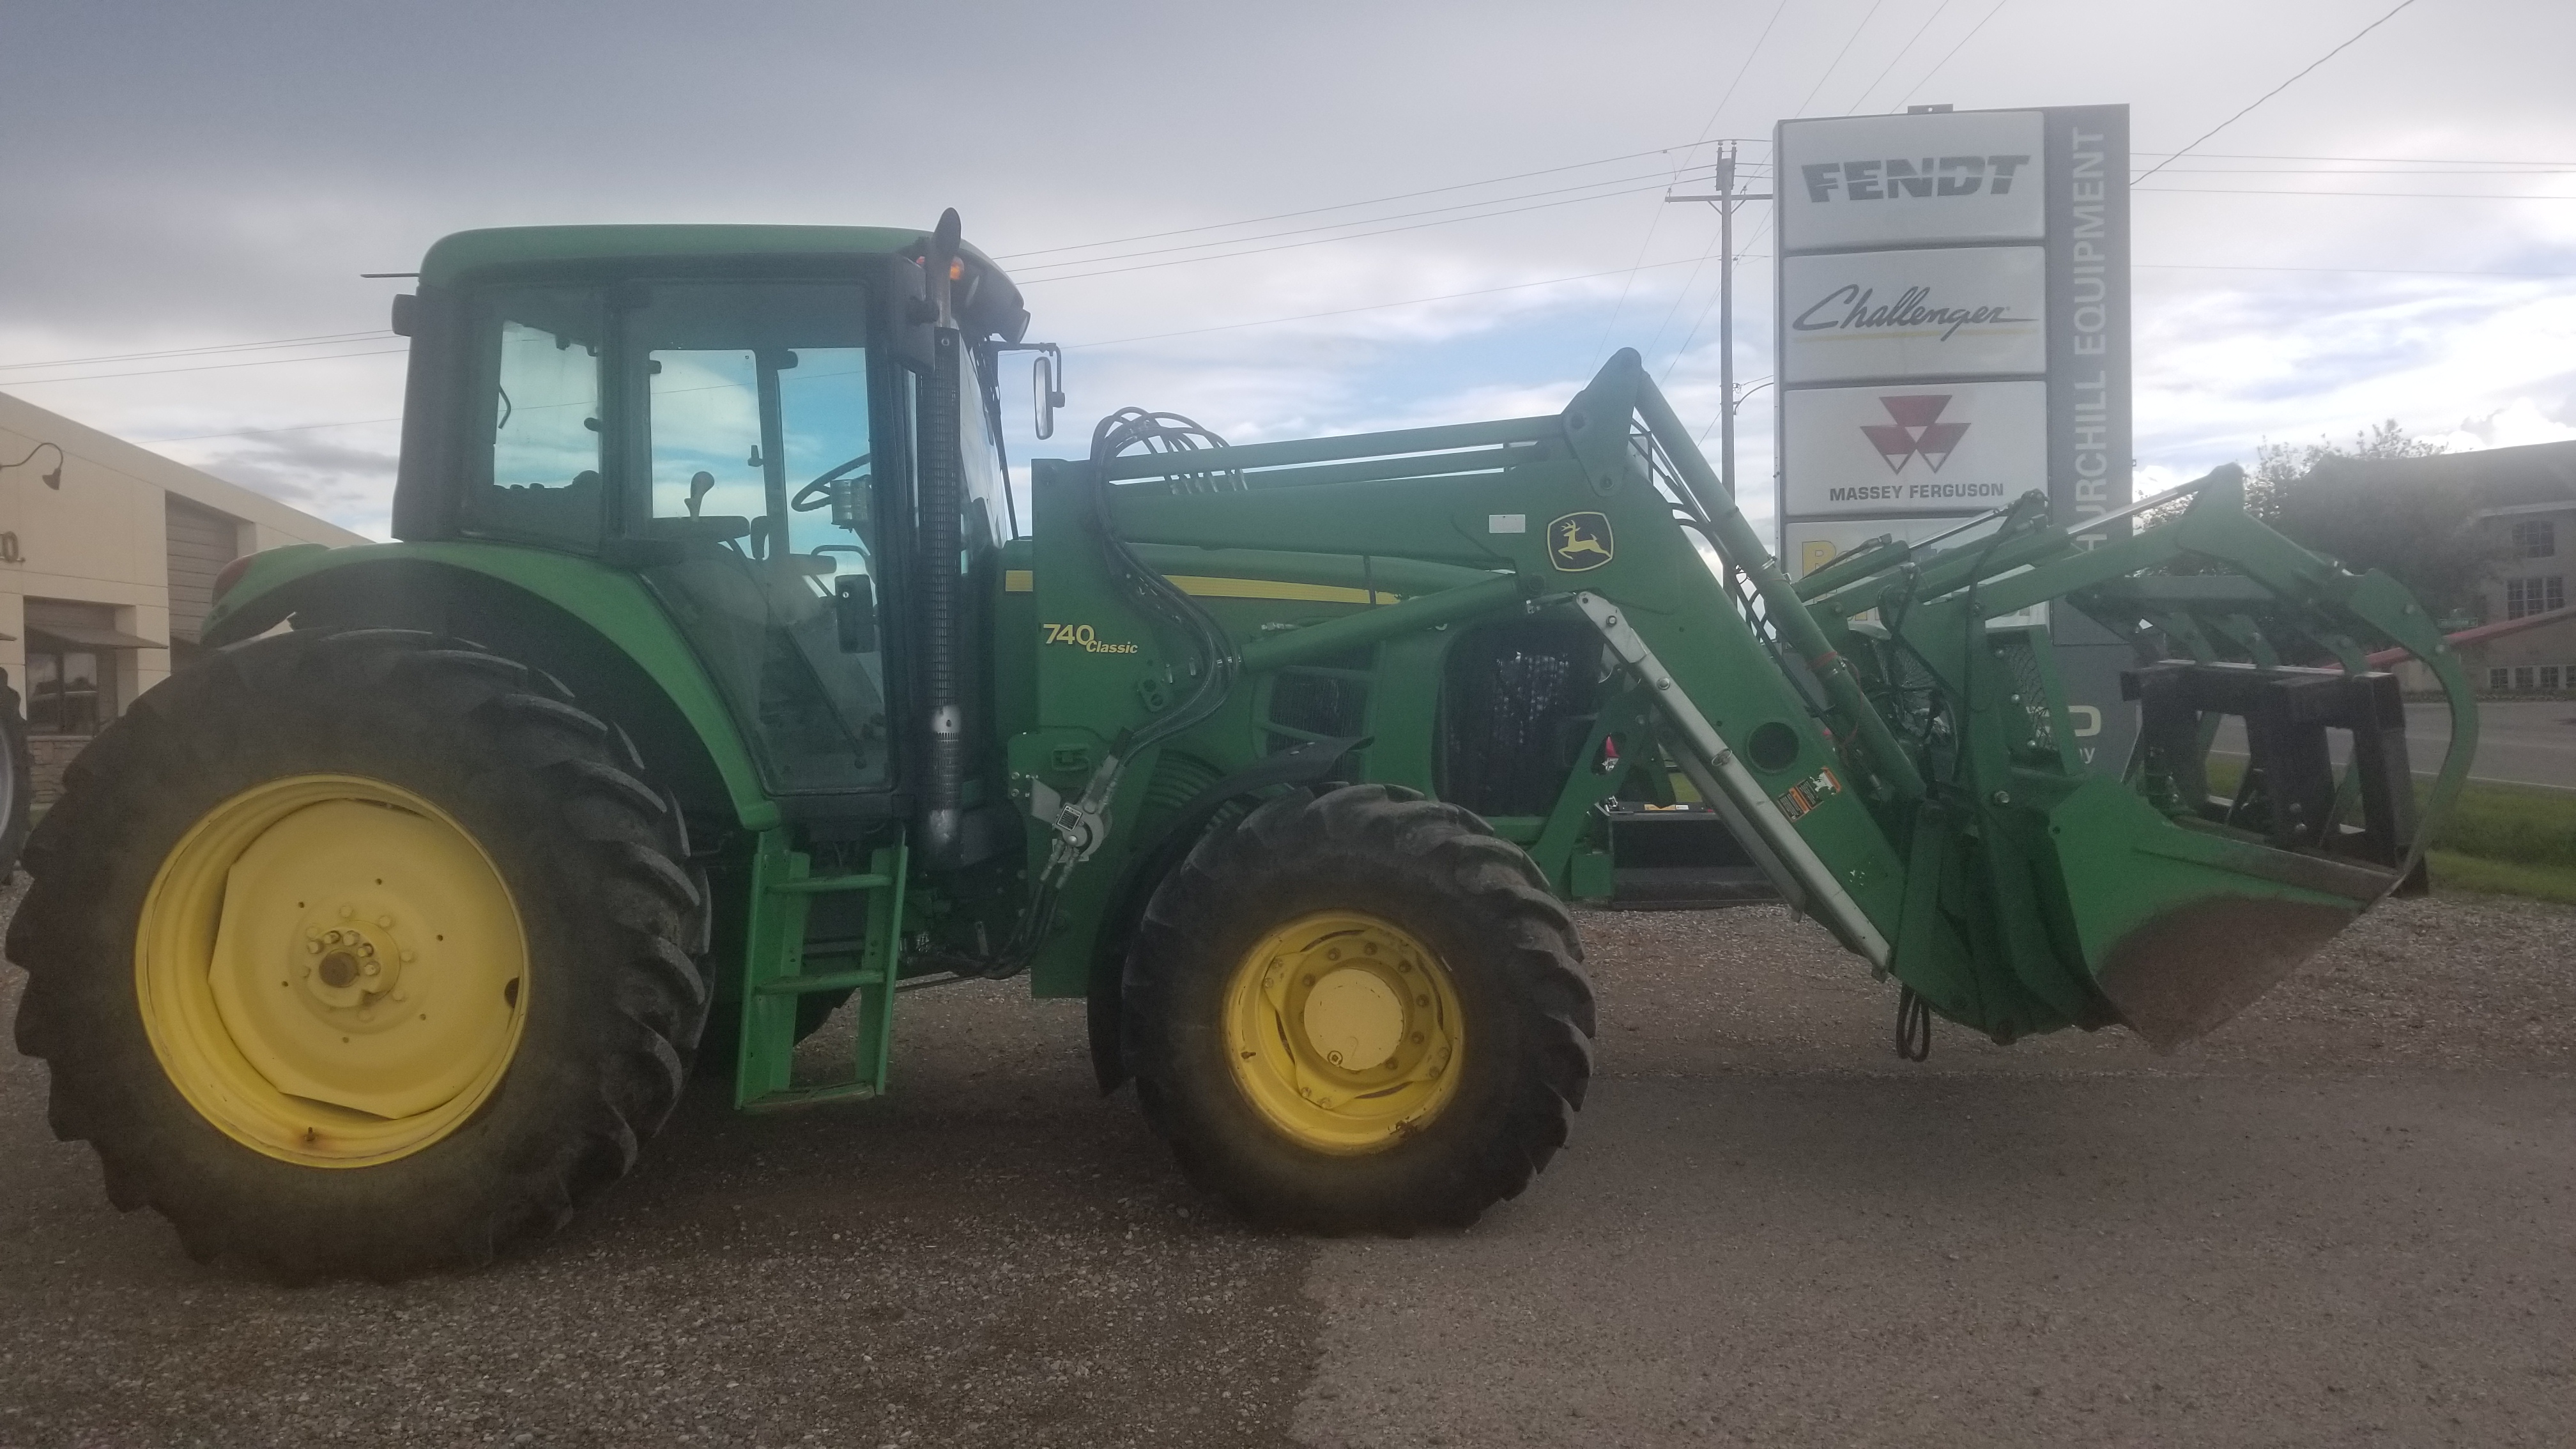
(2415, 524)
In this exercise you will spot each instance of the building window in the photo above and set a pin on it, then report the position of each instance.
(74, 654)
(2535, 538)
(2522, 676)
(69, 691)
(2549, 676)
(2524, 597)
(2499, 679)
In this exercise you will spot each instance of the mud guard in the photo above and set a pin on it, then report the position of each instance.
(1314, 761)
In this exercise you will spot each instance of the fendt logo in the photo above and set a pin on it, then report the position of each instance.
(1915, 432)
(1897, 177)
(1579, 541)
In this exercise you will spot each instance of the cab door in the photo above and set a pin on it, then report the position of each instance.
(754, 501)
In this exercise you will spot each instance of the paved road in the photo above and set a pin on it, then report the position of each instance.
(2346, 1220)
(2520, 742)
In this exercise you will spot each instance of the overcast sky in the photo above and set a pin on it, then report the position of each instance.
(1238, 212)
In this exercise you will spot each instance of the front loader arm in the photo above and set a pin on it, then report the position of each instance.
(1884, 746)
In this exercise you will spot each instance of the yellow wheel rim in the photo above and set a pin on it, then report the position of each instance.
(1344, 1032)
(331, 971)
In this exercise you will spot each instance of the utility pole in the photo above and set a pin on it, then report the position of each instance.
(1725, 199)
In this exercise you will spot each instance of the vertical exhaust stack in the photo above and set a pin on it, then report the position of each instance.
(943, 817)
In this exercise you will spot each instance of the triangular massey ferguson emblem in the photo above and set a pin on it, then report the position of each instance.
(1915, 429)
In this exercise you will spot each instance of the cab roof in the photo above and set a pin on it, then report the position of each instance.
(453, 257)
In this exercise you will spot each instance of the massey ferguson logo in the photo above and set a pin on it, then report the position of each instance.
(1897, 177)
(1915, 431)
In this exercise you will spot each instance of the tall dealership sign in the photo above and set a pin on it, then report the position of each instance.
(1953, 333)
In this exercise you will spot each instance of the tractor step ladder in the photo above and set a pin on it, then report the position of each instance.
(780, 968)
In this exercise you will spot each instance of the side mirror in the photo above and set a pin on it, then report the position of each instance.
(854, 607)
(1045, 393)
(701, 483)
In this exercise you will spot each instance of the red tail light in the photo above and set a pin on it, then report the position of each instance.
(232, 573)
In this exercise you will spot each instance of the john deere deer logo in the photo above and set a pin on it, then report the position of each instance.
(1579, 541)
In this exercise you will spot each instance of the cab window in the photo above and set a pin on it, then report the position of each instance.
(540, 384)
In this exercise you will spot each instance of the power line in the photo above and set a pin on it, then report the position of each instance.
(327, 337)
(1758, 42)
(1937, 12)
(1347, 205)
(1926, 78)
(1723, 100)
(2391, 195)
(2345, 171)
(209, 367)
(262, 432)
(1513, 287)
(1711, 304)
(1836, 63)
(2351, 271)
(1657, 177)
(1379, 306)
(1320, 241)
(2389, 160)
(2274, 91)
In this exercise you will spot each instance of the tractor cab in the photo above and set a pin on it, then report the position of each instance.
(738, 417)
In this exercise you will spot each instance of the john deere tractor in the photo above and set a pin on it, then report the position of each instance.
(715, 684)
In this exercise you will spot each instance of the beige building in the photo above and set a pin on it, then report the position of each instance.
(105, 579)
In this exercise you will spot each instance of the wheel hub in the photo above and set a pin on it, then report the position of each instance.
(1344, 1031)
(351, 963)
(331, 970)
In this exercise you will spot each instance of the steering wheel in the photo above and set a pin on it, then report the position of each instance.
(818, 493)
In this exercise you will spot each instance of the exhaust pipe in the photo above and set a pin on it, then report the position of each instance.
(943, 482)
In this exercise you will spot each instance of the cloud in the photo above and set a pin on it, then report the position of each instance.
(2518, 424)
(223, 173)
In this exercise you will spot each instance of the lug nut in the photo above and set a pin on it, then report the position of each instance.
(347, 911)
(372, 968)
(385, 921)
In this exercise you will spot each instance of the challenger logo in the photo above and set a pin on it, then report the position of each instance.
(1579, 541)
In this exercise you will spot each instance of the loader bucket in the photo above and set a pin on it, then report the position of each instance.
(2248, 911)
(2188, 971)
(2183, 927)
(2169, 891)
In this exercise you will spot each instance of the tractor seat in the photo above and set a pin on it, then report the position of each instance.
(723, 528)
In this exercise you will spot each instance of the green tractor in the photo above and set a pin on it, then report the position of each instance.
(715, 683)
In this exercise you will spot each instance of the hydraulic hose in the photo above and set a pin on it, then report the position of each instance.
(1083, 823)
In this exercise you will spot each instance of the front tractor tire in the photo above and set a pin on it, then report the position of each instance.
(1358, 1011)
(358, 953)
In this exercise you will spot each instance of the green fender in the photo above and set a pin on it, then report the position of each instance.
(613, 604)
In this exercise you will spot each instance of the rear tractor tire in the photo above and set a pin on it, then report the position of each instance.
(358, 953)
(1359, 1011)
(13, 778)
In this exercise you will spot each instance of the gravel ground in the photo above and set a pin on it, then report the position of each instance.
(2344, 1219)
(2348, 1209)
(996, 1256)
